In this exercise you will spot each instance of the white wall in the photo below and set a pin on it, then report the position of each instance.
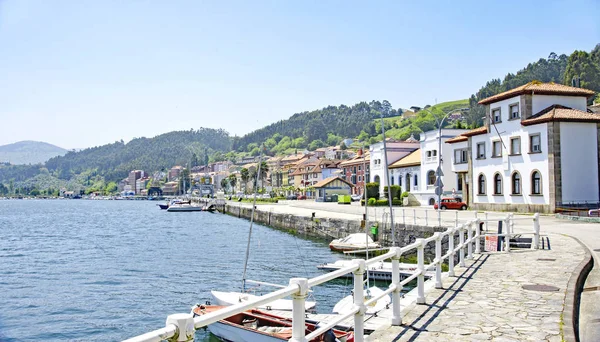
(525, 164)
(457, 146)
(579, 161)
(429, 141)
(541, 102)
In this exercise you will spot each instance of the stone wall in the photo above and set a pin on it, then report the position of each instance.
(330, 228)
(509, 207)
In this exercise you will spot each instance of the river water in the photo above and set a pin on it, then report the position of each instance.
(76, 270)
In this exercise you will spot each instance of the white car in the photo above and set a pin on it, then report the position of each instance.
(265, 196)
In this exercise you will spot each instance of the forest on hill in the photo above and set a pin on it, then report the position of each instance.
(29, 152)
(101, 166)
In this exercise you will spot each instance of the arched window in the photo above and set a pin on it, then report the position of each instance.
(431, 201)
(392, 180)
(536, 183)
(481, 184)
(416, 180)
(377, 179)
(400, 180)
(497, 184)
(516, 183)
(430, 178)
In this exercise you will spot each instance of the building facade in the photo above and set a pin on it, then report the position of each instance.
(395, 151)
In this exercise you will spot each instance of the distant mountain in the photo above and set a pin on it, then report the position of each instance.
(29, 152)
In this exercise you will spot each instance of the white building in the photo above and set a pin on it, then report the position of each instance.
(406, 172)
(539, 148)
(395, 151)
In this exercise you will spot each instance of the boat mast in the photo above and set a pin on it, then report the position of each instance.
(251, 220)
(387, 178)
(366, 206)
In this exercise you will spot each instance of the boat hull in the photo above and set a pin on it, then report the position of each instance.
(231, 298)
(181, 209)
(347, 303)
(233, 333)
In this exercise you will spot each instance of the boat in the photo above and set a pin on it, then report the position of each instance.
(210, 208)
(347, 303)
(183, 207)
(258, 326)
(230, 298)
(353, 242)
(172, 202)
(380, 271)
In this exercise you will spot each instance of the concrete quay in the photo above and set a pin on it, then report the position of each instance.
(487, 300)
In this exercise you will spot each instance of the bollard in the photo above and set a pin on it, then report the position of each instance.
(470, 239)
(507, 238)
(396, 317)
(438, 259)
(421, 269)
(298, 318)
(185, 326)
(415, 216)
(477, 237)
(451, 249)
(426, 219)
(461, 251)
(536, 231)
(359, 301)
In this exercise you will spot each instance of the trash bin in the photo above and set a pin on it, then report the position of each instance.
(374, 232)
(334, 198)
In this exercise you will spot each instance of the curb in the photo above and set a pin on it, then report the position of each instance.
(578, 218)
(577, 279)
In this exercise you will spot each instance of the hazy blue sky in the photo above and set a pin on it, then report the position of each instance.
(85, 73)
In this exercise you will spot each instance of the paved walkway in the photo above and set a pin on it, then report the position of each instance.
(487, 301)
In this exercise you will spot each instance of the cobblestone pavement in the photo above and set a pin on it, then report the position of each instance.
(486, 301)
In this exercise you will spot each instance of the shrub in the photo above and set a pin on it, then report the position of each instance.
(372, 201)
(404, 194)
(396, 191)
(373, 190)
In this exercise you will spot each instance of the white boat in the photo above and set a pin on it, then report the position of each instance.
(183, 207)
(353, 242)
(258, 326)
(230, 298)
(347, 303)
(379, 271)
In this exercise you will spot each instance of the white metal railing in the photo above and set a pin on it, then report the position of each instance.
(181, 327)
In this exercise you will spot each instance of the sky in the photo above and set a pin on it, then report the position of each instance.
(86, 73)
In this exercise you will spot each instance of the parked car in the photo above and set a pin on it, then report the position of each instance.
(301, 197)
(356, 197)
(291, 197)
(265, 196)
(452, 203)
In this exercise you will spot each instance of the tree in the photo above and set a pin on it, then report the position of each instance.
(343, 146)
(232, 180)
(224, 183)
(583, 65)
(264, 169)
(245, 175)
(315, 144)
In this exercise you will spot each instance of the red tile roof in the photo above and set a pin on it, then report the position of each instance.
(329, 180)
(538, 88)
(465, 136)
(561, 113)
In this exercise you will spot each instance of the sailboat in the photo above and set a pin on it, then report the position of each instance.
(230, 298)
(347, 303)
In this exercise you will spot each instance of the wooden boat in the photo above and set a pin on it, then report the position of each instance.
(353, 242)
(259, 326)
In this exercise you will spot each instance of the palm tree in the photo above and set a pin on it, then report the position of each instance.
(232, 181)
(264, 169)
(245, 175)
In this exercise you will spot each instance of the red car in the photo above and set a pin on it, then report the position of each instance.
(452, 203)
(301, 197)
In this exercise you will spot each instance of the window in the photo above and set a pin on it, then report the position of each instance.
(497, 149)
(481, 183)
(431, 201)
(515, 146)
(400, 180)
(359, 167)
(496, 117)
(430, 178)
(514, 111)
(434, 153)
(459, 185)
(535, 145)
(536, 183)
(516, 183)
(392, 180)
(481, 150)
(428, 154)
(497, 184)
(416, 180)
(460, 156)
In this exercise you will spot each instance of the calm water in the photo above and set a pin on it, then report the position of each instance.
(108, 270)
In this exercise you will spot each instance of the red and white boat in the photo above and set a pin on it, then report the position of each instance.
(259, 326)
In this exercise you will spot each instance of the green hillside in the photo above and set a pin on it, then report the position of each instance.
(29, 152)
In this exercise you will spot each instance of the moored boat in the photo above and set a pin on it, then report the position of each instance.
(230, 298)
(379, 271)
(353, 242)
(259, 326)
(184, 207)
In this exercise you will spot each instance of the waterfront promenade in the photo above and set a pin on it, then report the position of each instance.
(489, 299)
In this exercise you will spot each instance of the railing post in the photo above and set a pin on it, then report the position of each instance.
(461, 241)
(396, 317)
(298, 308)
(438, 259)
(359, 301)
(477, 236)
(403, 217)
(426, 218)
(185, 326)
(535, 242)
(415, 216)
(486, 222)
(507, 237)
(470, 239)
(439, 212)
(421, 269)
(451, 248)
(456, 218)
